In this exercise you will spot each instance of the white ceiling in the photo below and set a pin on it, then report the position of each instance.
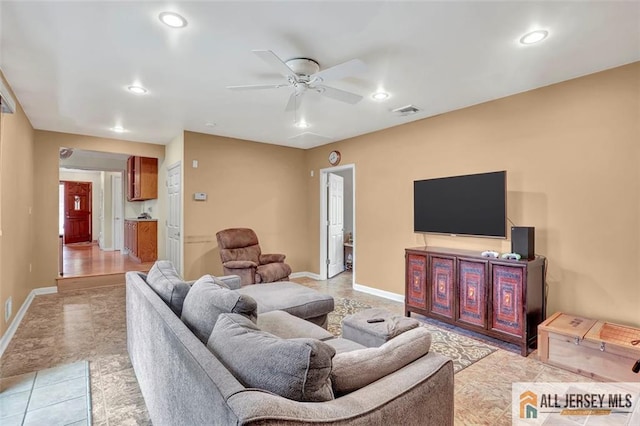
(69, 63)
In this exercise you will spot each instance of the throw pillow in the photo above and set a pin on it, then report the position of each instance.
(356, 369)
(165, 281)
(297, 369)
(207, 300)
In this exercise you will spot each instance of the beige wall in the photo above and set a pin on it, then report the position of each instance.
(45, 178)
(248, 184)
(16, 208)
(572, 155)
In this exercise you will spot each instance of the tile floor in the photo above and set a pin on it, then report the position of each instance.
(90, 325)
(57, 395)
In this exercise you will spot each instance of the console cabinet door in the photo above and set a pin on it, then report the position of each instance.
(472, 293)
(416, 280)
(508, 300)
(441, 285)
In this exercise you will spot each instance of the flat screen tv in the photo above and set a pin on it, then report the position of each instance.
(474, 205)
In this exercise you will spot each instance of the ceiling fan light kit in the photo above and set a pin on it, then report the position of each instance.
(304, 74)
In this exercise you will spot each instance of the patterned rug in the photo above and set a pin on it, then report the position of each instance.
(463, 350)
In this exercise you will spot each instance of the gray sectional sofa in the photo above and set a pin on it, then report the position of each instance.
(184, 382)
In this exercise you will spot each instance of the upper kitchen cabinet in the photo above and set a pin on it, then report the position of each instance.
(142, 178)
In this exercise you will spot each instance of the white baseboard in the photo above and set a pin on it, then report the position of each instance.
(8, 335)
(380, 293)
(45, 290)
(305, 274)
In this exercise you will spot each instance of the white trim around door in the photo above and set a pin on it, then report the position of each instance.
(324, 173)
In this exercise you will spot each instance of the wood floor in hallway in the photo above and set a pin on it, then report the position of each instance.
(86, 259)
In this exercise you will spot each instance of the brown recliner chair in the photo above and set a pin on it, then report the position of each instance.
(240, 254)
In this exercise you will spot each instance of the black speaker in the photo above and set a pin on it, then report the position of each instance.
(523, 241)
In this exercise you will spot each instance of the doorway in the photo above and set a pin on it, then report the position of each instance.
(77, 212)
(117, 202)
(103, 256)
(337, 221)
(174, 214)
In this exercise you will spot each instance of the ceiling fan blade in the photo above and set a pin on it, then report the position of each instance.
(339, 95)
(294, 102)
(345, 69)
(278, 64)
(257, 86)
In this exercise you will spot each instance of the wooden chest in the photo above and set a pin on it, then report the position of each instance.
(596, 349)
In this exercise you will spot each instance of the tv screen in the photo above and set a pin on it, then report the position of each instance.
(462, 205)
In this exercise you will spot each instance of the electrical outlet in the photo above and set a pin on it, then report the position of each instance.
(8, 306)
(30, 267)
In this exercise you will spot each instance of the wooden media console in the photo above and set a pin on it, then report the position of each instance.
(497, 297)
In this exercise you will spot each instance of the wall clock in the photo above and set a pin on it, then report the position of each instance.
(334, 158)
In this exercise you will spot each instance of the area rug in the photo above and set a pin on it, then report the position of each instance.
(463, 350)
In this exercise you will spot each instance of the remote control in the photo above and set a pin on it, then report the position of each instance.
(636, 367)
(372, 320)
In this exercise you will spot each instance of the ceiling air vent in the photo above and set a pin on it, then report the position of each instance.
(406, 110)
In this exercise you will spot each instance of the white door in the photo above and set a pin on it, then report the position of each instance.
(335, 231)
(173, 218)
(118, 212)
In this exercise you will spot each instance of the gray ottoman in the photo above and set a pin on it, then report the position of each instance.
(355, 327)
(298, 300)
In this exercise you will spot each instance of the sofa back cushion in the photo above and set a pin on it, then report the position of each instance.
(165, 281)
(356, 369)
(297, 369)
(207, 300)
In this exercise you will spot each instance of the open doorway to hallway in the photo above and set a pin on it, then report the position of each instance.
(102, 252)
(337, 221)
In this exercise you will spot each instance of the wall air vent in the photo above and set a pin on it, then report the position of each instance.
(7, 103)
(406, 110)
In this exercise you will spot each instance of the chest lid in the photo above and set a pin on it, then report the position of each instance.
(567, 325)
(614, 334)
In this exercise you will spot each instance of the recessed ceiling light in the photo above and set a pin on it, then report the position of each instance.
(172, 19)
(302, 124)
(534, 37)
(138, 90)
(210, 124)
(118, 129)
(380, 96)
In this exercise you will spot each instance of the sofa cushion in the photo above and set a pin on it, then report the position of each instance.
(165, 281)
(356, 369)
(297, 369)
(207, 300)
(286, 326)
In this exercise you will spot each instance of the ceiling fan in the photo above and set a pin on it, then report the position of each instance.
(304, 74)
